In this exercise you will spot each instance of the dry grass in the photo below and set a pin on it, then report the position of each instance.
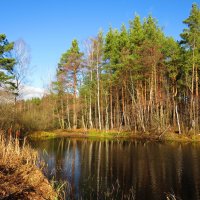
(19, 176)
(12, 154)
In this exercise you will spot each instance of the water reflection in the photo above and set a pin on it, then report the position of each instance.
(150, 170)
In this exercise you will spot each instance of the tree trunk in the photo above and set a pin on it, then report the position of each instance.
(98, 92)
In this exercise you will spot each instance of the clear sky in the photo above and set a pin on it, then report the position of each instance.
(49, 26)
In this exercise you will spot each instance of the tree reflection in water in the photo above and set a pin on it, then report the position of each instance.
(145, 170)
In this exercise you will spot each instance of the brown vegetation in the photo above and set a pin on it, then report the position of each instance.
(19, 176)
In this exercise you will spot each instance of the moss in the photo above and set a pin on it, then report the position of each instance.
(42, 135)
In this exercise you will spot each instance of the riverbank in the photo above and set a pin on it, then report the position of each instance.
(113, 134)
(20, 178)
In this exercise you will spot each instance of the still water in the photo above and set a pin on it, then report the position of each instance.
(123, 169)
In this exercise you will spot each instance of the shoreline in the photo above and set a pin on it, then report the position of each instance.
(96, 134)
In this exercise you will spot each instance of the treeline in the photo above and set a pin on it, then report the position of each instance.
(135, 79)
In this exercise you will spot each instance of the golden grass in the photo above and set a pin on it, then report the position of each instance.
(19, 176)
(12, 154)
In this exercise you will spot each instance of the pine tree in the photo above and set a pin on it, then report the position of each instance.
(70, 64)
(191, 43)
(6, 63)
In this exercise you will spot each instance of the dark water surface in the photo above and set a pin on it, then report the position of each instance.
(140, 169)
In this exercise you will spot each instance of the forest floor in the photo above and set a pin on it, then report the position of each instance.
(113, 134)
(20, 178)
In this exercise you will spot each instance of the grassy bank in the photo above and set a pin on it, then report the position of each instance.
(113, 134)
(79, 133)
(20, 178)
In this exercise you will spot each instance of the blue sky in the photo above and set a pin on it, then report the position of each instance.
(49, 26)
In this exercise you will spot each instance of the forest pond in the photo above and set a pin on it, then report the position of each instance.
(112, 169)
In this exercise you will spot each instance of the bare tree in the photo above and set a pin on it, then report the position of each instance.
(22, 56)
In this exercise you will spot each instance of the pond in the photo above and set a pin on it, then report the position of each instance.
(116, 169)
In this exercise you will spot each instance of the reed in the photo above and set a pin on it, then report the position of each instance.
(12, 154)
